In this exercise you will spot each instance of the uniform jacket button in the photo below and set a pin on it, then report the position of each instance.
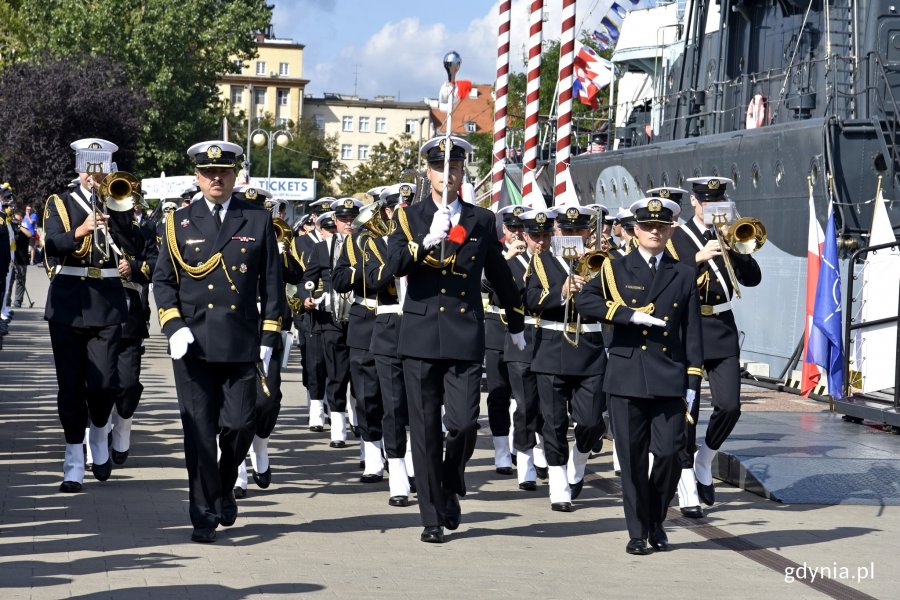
(664, 348)
(211, 286)
(462, 310)
(643, 347)
(209, 306)
(233, 307)
(645, 332)
(441, 309)
(444, 272)
(675, 305)
(463, 293)
(443, 290)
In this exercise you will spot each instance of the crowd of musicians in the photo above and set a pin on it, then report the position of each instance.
(585, 322)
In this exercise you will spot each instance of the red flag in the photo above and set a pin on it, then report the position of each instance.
(810, 375)
(463, 88)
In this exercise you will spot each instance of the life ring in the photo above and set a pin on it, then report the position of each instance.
(756, 112)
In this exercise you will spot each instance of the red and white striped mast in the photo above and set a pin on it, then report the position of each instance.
(561, 193)
(501, 88)
(532, 106)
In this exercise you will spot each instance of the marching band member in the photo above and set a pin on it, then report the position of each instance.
(442, 250)
(623, 229)
(566, 374)
(219, 256)
(268, 391)
(385, 348)
(654, 366)
(86, 306)
(330, 314)
(499, 391)
(696, 244)
(349, 276)
(527, 420)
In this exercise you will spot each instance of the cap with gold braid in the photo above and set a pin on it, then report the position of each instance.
(215, 154)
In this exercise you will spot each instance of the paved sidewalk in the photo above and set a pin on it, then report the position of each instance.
(318, 531)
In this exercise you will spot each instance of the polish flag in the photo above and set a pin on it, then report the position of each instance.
(810, 374)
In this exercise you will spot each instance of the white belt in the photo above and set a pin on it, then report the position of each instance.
(557, 326)
(90, 272)
(367, 302)
(389, 309)
(490, 308)
(531, 321)
(707, 310)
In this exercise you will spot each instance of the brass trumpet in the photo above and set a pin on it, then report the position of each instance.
(283, 231)
(370, 219)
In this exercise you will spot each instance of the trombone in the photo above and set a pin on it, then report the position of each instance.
(745, 235)
(117, 193)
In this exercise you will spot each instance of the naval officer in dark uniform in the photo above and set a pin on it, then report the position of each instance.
(218, 259)
(442, 250)
(695, 243)
(654, 366)
(86, 306)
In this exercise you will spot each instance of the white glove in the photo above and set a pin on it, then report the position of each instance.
(518, 340)
(639, 318)
(280, 247)
(689, 397)
(265, 355)
(179, 342)
(440, 227)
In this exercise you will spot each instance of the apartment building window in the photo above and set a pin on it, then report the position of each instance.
(260, 67)
(237, 95)
(346, 151)
(380, 125)
(363, 152)
(281, 121)
(259, 97)
(282, 97)
(411, 125)
(471, 127)
(283, 69)
(320, 122)
(347, 124)
(364, 124)
(239, 65)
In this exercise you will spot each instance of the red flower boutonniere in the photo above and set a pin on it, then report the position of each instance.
(457, 234)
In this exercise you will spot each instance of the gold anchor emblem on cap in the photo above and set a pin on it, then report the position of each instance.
(251, 194)
(540, 218)
(405, 190)
(654, 205)
(445, 144)
(517, 211)
(94, 146)
(713, 184)
(213, 152)
(348, 203)
(664, 194)
(572, 214)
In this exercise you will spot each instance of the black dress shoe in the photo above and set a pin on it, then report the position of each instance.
(707, 493)
(504, 470)
(119, 458)
(316, 428)
(338, 444)
(263, 479)
(229, 510)
(203, 535)
(542, 472)
(598, 446)
(102, 472)
(362, 464)
(371, 478)
(398, 501)
(576, 488)
(412, 485)
(433, 535)
(528, 486)
(239, 492)
(692, 512)
(70, 487)
(658, 538)
(453, 515)
(354, 429)
(561, 506)
(637, 546)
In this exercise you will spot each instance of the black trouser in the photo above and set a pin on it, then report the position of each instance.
(316, 373)
(644, 425)
(393, 398)
(337, 367)
(456, 385)
(499, 392)
(268, 407)
(527, 419)
(20, 273)
(214, 398)
(725, 388)
(367, 391)
(85, 360)
(129, 371)
(587, 403)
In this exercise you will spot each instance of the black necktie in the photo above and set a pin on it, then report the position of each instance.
(653, 266)
(217, 215)
(709, 234)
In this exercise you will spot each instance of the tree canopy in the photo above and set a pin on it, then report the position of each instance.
(386, 165)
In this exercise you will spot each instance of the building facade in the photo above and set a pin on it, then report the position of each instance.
(272, 83)
(361, 124)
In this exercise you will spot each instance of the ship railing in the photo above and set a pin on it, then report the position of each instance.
(882, 105)
(851, 325)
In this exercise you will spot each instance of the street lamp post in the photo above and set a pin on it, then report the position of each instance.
(315, 167)
(263, 137)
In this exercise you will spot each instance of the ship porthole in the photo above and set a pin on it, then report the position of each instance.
(697, 172)
(735, 176)
(602, 190)
(625, 186)
(650, 185)
(665, 179)
(814, 171)
(592, 189)
(779, 173)
(615, 190)
(680, 179)
(754, 176)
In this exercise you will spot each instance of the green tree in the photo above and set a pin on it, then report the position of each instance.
(175, 50)
(385, 165)
(483, 145)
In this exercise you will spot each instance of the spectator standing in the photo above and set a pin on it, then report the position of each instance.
(23, 237)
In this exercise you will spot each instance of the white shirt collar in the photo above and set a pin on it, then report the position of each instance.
(212, 205)
(85, 193)
(646, 256)
(701, 225)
